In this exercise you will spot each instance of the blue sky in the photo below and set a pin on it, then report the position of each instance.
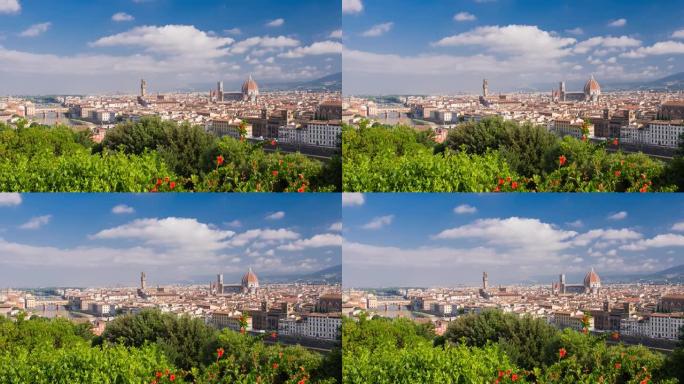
(439, 46)
(108, 239)
(93, 46)
(450, 239)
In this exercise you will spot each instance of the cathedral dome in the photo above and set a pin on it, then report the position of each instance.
(250, 87)
(592, 87)
(592, 279)
(250, 280)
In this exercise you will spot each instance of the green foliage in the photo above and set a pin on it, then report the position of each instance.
(394, 351)
(527, 341)
(383, 159)
(492, 348)
(133, 156)
(481, 157)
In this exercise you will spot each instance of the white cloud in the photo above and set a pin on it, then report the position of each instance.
(678, 226)
(609, 235)
(234, 224)
(233, 31)
(336, 227)
(122, 16)
(618, 216)
(264, 42)
(10, 6)
(9, 199)
(576, 224)
(606, 41)
(678, 34)
(520, 40)
(464, 16)
(379, 222)
(317, 48)
(659, 48)
(36, 30)
(317, 241)
(659, 241)
(185, 233)
(351, 199)
(525, 233)
(36, 222)
(618, 23)
(122, 209)
(178, 40)
(336, 34)
(352, 6)
(575, 31)
(275, 216)
(276, 23)
(465, 209)
(378, 30)
(265, 235)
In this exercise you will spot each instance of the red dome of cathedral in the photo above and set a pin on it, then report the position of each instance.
(592, 87)
(250, 279)
(592, 279)
(250, 86)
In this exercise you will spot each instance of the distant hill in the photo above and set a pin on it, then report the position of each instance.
(331, 275)
(332, 82)
(671, 275)
(673, 82)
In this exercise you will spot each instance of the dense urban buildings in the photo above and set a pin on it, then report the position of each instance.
(640, 117)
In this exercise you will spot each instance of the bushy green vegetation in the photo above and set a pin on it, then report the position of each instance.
(153, 155)
(494, 155)
(151, 347)
(492, 348)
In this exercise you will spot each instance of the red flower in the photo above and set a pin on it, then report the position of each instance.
(562, 352)
(615, 336)
(154, 189)
(159, 182)
(497, 189)
(644, 381)
(615, 142)
(275, 173)
(301, 189)
(514, 377)
(501, 181)
(617, 173)
(172, 185)
(172, 377)
(219, 160)
(644, 188)
(220, 352)
(274, 335)
(514, 185)
(274, 142)
(508, 179)
(301, 177)
(167, 179)
(242, 330)
(618, 365)
(585, 331)
(497, 381)
(302, 381)
(562, 160)
(275, 365)
(153, 382)
(158, 374)
(501, 373)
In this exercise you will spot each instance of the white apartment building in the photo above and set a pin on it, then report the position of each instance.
(327, 326)
(658, 132)
(316, 133)
(656, 326)
(570, 127)
(228, 127)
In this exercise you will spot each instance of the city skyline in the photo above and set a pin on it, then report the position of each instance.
(441, 240)
(517, 46)
(75, 47)
(105, 240)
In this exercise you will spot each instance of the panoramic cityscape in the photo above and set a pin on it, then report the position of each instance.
(341, 192)
(185, 78)
(598, 265)
(612, 80)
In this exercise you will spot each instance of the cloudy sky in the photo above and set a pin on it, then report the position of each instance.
(97, 46)
(450, 239)
(108, 239)
(436, 46)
